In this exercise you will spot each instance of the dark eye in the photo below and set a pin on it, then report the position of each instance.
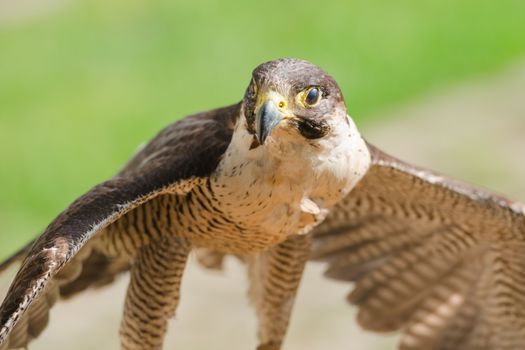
(312, 96)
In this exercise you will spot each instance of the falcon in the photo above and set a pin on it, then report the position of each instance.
(278, 179)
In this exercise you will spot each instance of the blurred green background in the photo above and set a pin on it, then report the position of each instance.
(83, 82)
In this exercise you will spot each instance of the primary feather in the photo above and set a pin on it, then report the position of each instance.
(440, 260)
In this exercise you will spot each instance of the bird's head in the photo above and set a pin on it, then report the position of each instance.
(291, 101)
(295, 128)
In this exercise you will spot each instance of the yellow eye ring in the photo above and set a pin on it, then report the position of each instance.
(311, 96)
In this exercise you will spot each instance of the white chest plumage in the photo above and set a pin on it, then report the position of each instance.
(271, 197)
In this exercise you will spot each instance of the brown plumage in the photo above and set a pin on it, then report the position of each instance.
(66, 259)
(438, 259)
(271, 180)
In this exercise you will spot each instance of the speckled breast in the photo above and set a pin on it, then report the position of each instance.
(226, 223)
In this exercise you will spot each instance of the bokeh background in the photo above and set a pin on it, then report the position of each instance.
(84, 82)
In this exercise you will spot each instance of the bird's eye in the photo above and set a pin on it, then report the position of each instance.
(311, 96)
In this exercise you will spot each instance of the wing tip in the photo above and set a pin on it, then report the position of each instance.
(371, 323)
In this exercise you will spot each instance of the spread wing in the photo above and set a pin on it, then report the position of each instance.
(182, 154)
(441, 261)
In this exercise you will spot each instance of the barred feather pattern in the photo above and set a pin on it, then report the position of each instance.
(81, 248)
(110, 253)
(275, 276)
(195, 216)
(153, 293)
(438, 260)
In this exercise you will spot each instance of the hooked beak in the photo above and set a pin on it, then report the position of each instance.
(267, 118)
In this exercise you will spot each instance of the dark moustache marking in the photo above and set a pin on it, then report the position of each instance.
(312, 129)
(249, 107)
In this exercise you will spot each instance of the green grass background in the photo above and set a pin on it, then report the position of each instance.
(82, 86)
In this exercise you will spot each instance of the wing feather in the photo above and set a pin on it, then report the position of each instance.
(440, 260)
(181, 155)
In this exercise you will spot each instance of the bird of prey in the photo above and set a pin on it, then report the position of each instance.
(278, 179)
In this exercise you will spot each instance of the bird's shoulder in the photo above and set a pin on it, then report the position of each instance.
(194, 143)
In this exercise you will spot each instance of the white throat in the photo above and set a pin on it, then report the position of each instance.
(287, 185)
